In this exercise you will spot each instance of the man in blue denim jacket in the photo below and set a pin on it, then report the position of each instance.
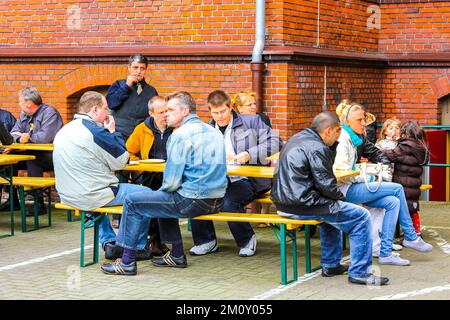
(194, 184)
(247, 141)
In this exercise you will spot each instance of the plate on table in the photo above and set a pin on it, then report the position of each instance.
(152, 161)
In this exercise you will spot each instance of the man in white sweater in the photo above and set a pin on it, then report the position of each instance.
(86, 153)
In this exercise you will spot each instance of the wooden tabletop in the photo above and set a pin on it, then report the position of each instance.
(245, 171)
(29, 146)
(14, 158)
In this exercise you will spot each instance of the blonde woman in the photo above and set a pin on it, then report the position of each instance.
(390, 196)
(244, 102)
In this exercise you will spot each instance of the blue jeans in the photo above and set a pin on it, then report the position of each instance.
(391, 197)
(106, 232)
(167, 207)
(237, 196)
(354, 220)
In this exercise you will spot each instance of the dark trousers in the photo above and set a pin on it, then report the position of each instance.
(167, 207)
(36, 167)
(153, 180)
(238, 195)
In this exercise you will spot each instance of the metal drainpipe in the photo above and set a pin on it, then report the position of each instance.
(257, 64)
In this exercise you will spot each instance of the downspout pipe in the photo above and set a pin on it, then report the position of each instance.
(257, 64)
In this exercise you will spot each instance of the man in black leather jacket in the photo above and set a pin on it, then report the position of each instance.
(305, 187)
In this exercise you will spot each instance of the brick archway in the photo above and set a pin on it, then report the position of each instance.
(92, 77)
(441, 87)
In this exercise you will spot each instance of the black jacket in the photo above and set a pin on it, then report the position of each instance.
(304, 182)
(371, 152)
(5, 137)
(127, 107)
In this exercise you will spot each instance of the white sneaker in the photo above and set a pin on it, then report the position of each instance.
(377, 254)
(418, 245)
(250, 249)
(394, 260)
(205, 248)
(396, 247)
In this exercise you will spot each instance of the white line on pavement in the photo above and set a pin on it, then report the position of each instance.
(302, 279)
(415, 293)
(443, 245)
(37, 260)
(437, 227)
(281, 289)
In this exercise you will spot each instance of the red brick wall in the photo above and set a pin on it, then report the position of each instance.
(415, 27)
(343, 25)
(412, 94)
(61, 84)
(108, 23)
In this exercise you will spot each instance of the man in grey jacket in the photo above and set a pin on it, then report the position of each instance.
(247, 141)
(86, 153)
(38, 123)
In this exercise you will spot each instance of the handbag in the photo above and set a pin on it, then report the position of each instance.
(382, 172)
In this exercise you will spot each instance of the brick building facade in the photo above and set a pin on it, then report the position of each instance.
(390, 55)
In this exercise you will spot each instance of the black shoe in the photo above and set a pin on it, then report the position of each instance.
(370, 280)
(117, 267)
(112, 252)
(335, 271)
(158, 248)
(144, 254)
(5, 206)
(170, 261)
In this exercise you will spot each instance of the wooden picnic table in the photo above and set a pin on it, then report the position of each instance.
(29, 146)
(245, 171)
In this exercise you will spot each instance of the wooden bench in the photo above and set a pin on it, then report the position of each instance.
(38, 184)
(283, 228)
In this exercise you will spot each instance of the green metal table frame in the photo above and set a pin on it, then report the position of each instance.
(36, 193)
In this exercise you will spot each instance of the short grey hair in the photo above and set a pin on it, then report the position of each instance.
(139, 58)
(152, 101)
(184, 100)
(31, 94)
(325, 119)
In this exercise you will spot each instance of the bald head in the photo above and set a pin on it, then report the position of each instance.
(328, 126)
(325, 120)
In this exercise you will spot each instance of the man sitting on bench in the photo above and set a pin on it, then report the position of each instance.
(194, 183)
(86, 153)
(304, 187)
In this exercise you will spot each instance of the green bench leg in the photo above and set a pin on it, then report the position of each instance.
(49, 203)
(35, 209)
(189, 225)
(95, 221)
(11, 202)
(70, 218)
(22, 209)
(283, 257)
(307, 250)
(308, 266)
